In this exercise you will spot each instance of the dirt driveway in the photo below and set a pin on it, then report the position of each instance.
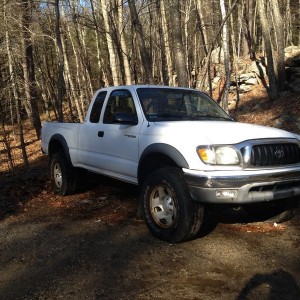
(90, 246)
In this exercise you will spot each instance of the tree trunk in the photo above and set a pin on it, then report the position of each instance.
(226, 57)
(145, 56)
(6, 143)
(166, 42)
(80, 51)
(70, 86)
(105, 7)
(86, 71)
(206, 67)
(203, 33)
(28, 68)
(267, 40)
(163, 67)
(179, 52)
(288, 24)
(16, 98)
(187, 38)
(60, 72)
(123, 44)
(105, 77)
(278, 24)
(204, 37)
(248, 30)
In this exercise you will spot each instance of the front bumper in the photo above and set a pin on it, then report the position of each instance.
(243, 187)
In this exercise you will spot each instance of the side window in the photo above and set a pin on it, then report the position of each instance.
(119, 101)
(97, 107)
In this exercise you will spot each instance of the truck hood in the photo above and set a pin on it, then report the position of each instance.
(217, 132)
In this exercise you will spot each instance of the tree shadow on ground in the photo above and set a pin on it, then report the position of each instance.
(274, 286)
(21, 185)
(64, 259)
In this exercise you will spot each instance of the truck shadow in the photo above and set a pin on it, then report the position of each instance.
(248, 214)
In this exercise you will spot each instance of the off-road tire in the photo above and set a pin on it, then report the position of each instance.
(169, 211)
(63, 176)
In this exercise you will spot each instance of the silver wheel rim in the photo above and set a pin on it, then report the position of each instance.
(57, 175)
(162, 206)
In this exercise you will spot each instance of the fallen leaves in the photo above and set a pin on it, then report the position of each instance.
(256, 227)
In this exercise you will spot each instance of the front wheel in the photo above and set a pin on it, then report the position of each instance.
(169, 212)
(62, 174)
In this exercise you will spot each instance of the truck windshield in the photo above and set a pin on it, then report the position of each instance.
(167, 104)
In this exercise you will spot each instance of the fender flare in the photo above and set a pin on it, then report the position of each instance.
(58, 138)
(167, 150)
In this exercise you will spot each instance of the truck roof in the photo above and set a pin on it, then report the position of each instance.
(137, 86)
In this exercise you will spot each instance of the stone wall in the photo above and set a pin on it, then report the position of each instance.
(292, 56)
(255, 72)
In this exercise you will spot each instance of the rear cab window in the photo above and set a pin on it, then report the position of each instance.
(97, 107)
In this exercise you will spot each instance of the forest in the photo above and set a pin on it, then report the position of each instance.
(55, 54)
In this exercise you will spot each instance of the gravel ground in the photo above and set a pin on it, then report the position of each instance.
(90, 246)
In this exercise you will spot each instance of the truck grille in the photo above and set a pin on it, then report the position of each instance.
(275, 154)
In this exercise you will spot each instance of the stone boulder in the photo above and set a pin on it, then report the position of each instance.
(290, 53)
(217, 56)
(292, 62)
(295, 85)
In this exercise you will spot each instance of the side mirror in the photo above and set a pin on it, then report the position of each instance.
(125, 118)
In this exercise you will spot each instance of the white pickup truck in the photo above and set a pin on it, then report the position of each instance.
(183, 150)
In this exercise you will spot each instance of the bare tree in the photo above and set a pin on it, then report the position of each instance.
(145, 56)
(202, 27)
(280, 65)
(5, 141)
(105, 77)
(16, 99)
(267, 40)
(166, 44)
(105, 9)
(248, 47)
(29, 68)
(179, 52)
(60, 73)
(206, 67)
(226, 57)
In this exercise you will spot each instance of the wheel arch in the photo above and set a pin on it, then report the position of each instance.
(157, 156)
(58, 143)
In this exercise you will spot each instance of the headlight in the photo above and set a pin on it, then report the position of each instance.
(218, 155)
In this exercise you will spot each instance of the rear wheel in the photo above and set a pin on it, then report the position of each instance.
(169, 211)
(62, 174)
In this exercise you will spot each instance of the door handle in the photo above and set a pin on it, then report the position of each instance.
(100, 133)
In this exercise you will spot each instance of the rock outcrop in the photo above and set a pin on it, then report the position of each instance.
(292, 56)
(255, 72)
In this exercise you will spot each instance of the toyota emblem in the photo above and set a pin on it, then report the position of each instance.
(279, 153)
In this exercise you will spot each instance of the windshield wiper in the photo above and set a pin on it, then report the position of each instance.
(167, 115)
(208, 116)
(162, 116)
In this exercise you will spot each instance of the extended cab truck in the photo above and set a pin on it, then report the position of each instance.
(182, 149)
